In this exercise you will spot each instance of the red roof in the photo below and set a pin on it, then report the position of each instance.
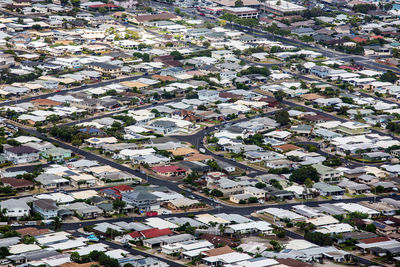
(135, 234)
(377, 37)
(122, 188)
(104, 5)
(16, 183)
(374, 240)
(359, 40)
(155, 232)
(345, 67)
(170, 168)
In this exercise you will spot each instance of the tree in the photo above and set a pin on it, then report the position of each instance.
(229, 17)
(75, 257)
(238, 3)
(213, 164)
(379, 189)
(103, 10)
(308, 183)
(76, 3)
(176, 55)
(216, 193)
(370, 228)
(57, 223)
(119, 205)
(252, 200)
(260, 185)
(389, 76)
(318, 238)
(364, 8)
(282, 117)
(279, 95)
(301, 174)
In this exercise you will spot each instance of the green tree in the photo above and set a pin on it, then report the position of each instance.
(260, 185)
(308, 182)
(301, 174)
(177, 55)
(119, 205)
(57, 223)
(238, 3)
(216, 193)
(389, 76)
(75, 257)
(282, 117)
(370, 228)
(279, 95)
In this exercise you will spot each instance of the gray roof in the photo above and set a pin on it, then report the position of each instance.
(7, 242)
(237, 218)
(170, 239)
(11, 204)
(184, 220)
(331, 209)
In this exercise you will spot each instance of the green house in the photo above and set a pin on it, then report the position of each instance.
(57, 153)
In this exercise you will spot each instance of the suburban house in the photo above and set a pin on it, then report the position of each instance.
(47, 208)
(170, 170)
(21, 154)
(142, 200)
(57, 154)
(15, 208)
(327, 174)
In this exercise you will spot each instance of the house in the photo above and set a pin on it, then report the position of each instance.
(354, 128)
(208, 95)
(142, 200)
(15, 208)
(21, 154)
(47, 208)
(105, 68)
(164, 126)
(48, 180)
(57, 154)
(170, 170)
(328, 190)
(85, 211)
(327, 174)
(18, 184)
(354, 188)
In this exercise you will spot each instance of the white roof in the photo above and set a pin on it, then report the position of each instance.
(298, 244)
(259, 225)
(228, 258)
(27, 139)
(207, 218)
(72, 243)
(21, 248)
(257, 262)
(117, 253)
(160, 223)
(52, 238)
(57, 197)
(335, 228)
(282, 213)
(87, 249)
(84, 194)
(323, 220)
(354, 207)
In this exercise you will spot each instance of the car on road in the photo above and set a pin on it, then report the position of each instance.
(233, 159)
(202, 150)
(337, 197)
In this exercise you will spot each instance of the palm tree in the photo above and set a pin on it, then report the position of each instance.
(57, 223)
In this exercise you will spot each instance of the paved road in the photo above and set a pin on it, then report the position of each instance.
(83, 87)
